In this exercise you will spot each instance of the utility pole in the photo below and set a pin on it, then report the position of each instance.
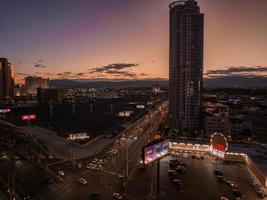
(127, 162)
(91, 108)
(158, 176)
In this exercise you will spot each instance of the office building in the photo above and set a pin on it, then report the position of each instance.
(6, 79)
(50, 95)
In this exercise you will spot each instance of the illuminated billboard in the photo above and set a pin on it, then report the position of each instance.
(219, 145)
(5, 110)
(156, 151)
(28, 117)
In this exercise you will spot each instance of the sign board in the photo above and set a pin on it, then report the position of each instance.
(219, 145)
(140, 106)
(125, 113)
(28, 117)
(78, 136)
(5, 110)
(156, 151)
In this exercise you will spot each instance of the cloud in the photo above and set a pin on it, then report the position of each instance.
(111, 67)
(81, 74)
(128, 74)
(22, 74)
(39, 66)
(143, 74)
(253, 71)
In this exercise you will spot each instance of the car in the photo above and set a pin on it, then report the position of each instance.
(82, 181)
(16, 157)
(239, 194)
(120, 176)
(98, 167)
(49, 180)
(60, 173)
(24, 195)
(177, 181)
(42, 156)
(116, 195)
(221, 179)
(172, 172)
(180, 167)
(193, 156)
(261, 193)
(94, 196)
(223, 198)
(51, 157)
(232, 184)
(217, 172)
(181, 163)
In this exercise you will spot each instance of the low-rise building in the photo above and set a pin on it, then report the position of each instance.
(50, 95)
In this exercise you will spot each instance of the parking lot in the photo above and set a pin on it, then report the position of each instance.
(197, 182)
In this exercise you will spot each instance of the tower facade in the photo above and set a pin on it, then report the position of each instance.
(185, 64)
(6, 79)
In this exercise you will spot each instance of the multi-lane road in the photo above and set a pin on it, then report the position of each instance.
(105, 182)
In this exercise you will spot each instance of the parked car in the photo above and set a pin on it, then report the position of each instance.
(221, 179)
(217, 172)
(94, 196)
(232, 184)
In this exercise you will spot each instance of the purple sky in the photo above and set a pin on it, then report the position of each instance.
(50, 37)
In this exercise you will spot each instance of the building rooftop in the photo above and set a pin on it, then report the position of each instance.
(257, 153)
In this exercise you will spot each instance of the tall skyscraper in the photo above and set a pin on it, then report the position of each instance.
(185, 65)
(6, 79)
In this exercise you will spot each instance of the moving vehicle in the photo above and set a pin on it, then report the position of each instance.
(60, 173)
(221, 179)
(237, 193)
(83, 181)
(49, 180)
(116, 196)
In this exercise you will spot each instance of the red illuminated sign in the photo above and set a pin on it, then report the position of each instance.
(28, 117)
(219, 147)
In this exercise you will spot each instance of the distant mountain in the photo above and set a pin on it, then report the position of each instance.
(228, 81)
(106, 83)
(236, 81)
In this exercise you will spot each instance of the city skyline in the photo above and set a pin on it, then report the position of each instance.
(56, 40)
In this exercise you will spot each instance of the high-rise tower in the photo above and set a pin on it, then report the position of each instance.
(185, 65)
(6, 79)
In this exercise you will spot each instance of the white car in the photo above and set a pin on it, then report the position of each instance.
(120, 176)
(83, 181)
(16, 157)
(60, 173)
(117, 196)
(98, 167)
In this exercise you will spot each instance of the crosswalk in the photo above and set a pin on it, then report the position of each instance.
(61, 183)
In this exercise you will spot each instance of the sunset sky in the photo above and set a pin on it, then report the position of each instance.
(124, 38)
